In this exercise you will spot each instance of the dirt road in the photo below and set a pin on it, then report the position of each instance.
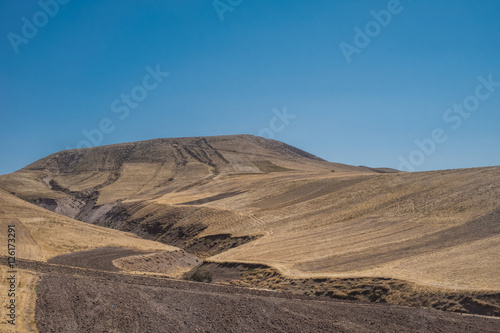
(100, 258)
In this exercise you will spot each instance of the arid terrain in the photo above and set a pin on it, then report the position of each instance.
(283, 240)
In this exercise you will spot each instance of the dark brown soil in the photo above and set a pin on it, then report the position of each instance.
(379, 290)
(212, 198)
(208, 246)
(81, 300)
(164, 225)
(113, 259)
(101, 258)
(80, 304)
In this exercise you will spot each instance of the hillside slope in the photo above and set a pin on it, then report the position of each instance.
(252, 200)
(41, 235)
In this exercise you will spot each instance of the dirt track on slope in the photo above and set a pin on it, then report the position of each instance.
(100, 258)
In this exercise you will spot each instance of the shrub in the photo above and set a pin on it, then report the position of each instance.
(200, 275)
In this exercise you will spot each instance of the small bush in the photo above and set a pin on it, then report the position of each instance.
(199, 275)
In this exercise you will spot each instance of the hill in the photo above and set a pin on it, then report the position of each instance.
(262, 213)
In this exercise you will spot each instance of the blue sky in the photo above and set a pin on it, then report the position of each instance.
(234, 75)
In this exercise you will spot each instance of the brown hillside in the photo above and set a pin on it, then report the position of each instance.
(248, 199)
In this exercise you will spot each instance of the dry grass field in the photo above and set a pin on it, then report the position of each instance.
(42, 234)
(245, 199)
(440, 228)
(25, 301)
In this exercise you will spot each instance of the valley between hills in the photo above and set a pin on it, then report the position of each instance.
(114, 238)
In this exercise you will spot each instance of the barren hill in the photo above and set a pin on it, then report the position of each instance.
(124, 186)
(287, 215)
(295, 214)
(151, 168)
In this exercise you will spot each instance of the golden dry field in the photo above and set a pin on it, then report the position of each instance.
(245, 199)
(440, 228)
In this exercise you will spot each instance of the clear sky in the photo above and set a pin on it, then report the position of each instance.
(414, 85)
